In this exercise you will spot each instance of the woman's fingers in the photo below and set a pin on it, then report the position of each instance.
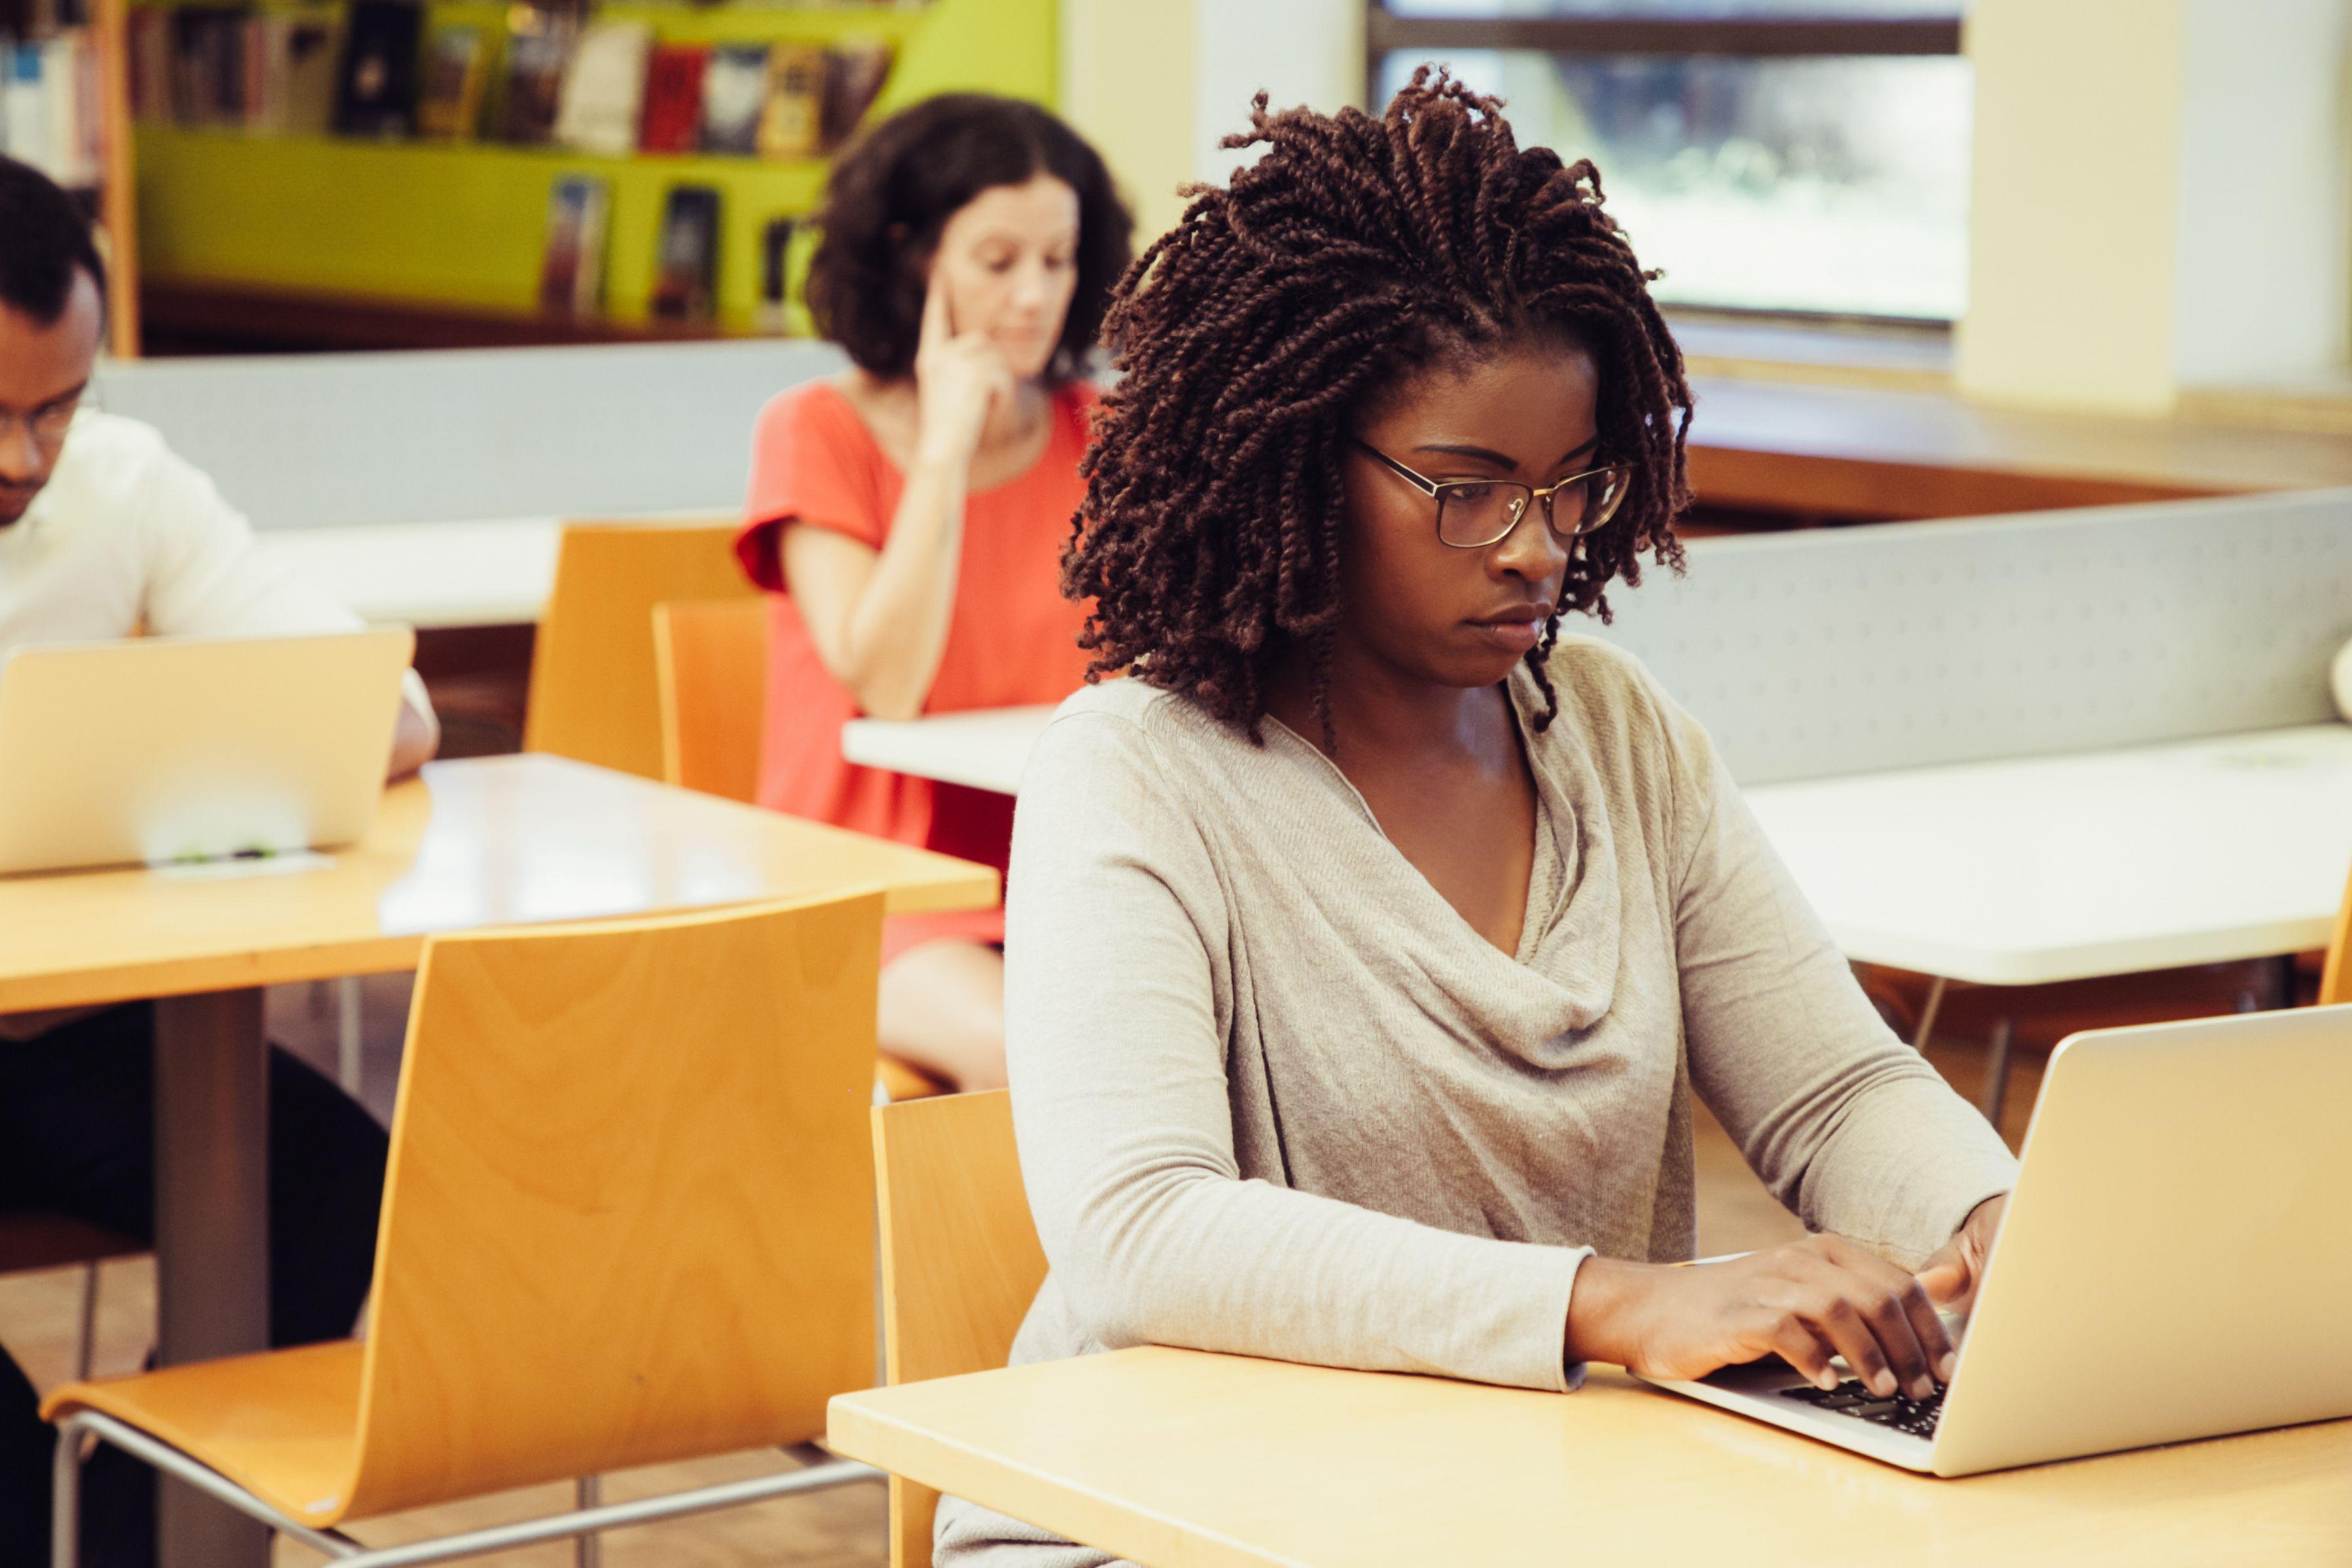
(1836, 1319)
(1902, 1317)
(938, 329)
(1798, 1345)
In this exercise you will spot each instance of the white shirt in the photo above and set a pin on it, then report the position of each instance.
(129, 538)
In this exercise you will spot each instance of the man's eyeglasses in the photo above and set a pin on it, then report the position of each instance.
(1475, 513)
(49, 423)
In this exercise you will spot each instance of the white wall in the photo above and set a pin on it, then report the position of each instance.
(2158, 199)
(1306, 52)
(1155, 83)
(2261, 271)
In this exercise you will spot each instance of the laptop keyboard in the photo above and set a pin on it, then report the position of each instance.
(1916, 1416)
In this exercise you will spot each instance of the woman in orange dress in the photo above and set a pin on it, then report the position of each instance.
(908, 514)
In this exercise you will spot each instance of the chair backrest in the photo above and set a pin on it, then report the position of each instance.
(961, 1261)
(592, 688)
(629, 1211)
(1835, 650)
(2335, 984)
(710, 670)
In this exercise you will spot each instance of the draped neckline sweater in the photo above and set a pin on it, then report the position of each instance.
(1275, 1096)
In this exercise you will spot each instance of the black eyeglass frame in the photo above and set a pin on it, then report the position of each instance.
(1435, 490)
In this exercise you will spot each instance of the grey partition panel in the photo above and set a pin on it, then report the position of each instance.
(1905, 644)
(302, 440)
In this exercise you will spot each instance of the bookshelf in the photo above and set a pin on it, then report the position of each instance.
(69, 115)
(444, 239)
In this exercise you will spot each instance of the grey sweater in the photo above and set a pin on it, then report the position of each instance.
(1275, 1096)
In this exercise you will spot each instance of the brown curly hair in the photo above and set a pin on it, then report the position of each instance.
(1250, 335)
(895, 189)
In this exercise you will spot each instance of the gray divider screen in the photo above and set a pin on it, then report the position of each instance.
(1903, 644)
(444, 435)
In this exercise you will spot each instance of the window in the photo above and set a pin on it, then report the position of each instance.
(1797, 157)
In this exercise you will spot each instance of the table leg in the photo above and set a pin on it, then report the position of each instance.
(212, 1229)
(1996, 1084)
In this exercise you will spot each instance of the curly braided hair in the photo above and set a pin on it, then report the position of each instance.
(1354, 250)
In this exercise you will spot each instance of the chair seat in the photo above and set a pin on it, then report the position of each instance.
(284, 1423)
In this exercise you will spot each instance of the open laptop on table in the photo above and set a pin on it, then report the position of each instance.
(2174, 1263)
(176, 749)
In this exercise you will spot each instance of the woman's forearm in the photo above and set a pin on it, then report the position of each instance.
(889, 640)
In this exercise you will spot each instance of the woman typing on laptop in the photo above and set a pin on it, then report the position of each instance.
(1365, 950)
(105, 533)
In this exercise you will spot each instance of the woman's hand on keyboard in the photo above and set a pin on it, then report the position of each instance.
(1807, 1303)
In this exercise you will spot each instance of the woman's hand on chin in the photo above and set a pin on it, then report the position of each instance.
(1807, 1303)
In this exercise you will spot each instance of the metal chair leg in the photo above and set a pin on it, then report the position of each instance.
(588, 1549)
(1927, 1011)
(349, 1037)
(87, 1345)
(65, 1500)
(1996, 1086)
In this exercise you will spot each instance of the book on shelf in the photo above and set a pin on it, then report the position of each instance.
(310, 55)
(734, 91)
(457, 70)
(672, 119)
(792, 119)
(572, 271)
(148, 45)
(207, 76)
(375, 91)
(604, 89)
(854, 70)
(775, 247)
(289, 74)
(686, 264)
(539, 40)
(49, 107)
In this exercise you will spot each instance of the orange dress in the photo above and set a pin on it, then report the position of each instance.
(1012, 638)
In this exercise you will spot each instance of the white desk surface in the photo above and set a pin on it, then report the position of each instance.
(489, 573)
(494, 573)
(2007, 873)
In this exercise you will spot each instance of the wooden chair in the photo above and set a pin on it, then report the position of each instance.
(710, 668)
(961, 1261)
(592, 670)
(2335, 983)
(628, 1219)
(710, 665)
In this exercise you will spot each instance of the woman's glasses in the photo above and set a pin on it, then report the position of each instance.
(1475, 513)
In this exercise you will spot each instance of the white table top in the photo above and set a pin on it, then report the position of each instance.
(497, 571)
(490, 573)
(2007, 873)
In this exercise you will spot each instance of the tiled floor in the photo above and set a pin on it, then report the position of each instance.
(842, 1529)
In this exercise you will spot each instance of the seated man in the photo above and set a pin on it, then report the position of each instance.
(104, 533)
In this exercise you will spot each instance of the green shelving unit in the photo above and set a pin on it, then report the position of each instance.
(463, 224)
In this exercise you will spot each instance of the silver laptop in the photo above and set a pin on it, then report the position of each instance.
(168, 749)
(2174, 1263)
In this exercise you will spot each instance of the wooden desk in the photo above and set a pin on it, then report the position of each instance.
(1855, 453)
(498, 841)
(1181, 1459)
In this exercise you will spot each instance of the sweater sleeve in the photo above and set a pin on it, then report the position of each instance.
(1116, 1031)
(1850, 1128)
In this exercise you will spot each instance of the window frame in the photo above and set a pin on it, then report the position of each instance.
(1738, 37)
